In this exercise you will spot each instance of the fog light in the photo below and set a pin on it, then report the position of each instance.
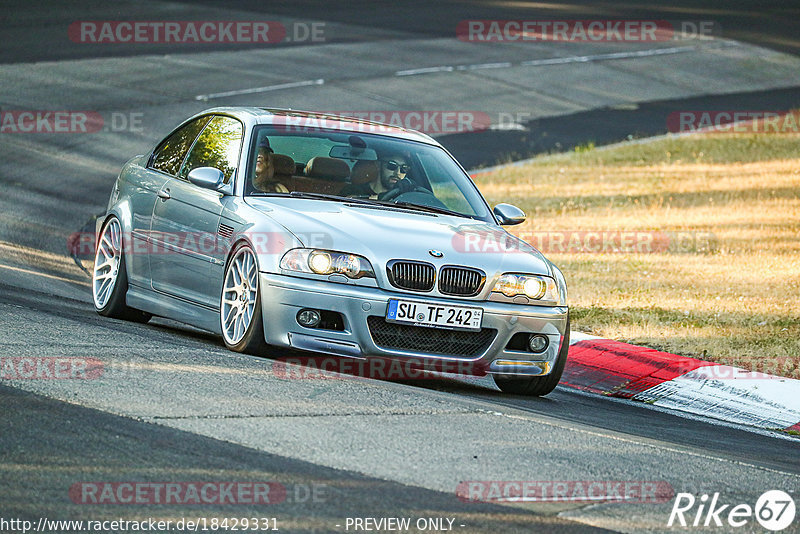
(308, 318)
(515, 362)
(537, 343)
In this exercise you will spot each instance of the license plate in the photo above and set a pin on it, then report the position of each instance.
(434, 315)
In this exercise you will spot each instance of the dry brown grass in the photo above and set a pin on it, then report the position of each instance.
(738, 303)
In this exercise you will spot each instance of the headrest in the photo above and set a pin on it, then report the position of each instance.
(265, 145)
(365, 171)
(328, 169)
(283, 164)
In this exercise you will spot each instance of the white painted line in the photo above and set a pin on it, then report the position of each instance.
(426, 70)
(555, 61)
(503, 65)
(475, 66)
(610, 56)
(264, 89)
(508, 127)
(549, 61)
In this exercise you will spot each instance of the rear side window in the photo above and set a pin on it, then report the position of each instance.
(171, 152)
(219, 146)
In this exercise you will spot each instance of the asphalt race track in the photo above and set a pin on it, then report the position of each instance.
(168, 404)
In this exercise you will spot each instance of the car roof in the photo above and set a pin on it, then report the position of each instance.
(313, 119)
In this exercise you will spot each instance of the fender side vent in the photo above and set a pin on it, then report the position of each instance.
(225, 231)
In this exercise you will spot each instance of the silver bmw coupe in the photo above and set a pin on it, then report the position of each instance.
(338, 236)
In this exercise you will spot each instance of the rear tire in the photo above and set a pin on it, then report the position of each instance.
(240, 316)
(110, 276)
(537, 386)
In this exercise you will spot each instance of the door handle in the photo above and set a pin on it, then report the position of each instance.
(164, 194)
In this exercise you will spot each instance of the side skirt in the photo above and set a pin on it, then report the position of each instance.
(163, 305)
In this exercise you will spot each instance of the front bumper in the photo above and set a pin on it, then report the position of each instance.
(282, 297)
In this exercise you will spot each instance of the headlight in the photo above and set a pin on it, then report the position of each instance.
(307, 260)
(320, 262)
(533, 286)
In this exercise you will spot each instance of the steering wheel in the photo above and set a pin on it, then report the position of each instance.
(420, 197)
(402, 187)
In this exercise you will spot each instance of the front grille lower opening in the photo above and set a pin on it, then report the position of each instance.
(439, 341)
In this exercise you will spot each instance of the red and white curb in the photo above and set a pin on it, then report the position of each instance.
(675, 382)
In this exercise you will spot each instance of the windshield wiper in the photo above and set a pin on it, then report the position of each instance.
(316, 196)
(422, 207)
(325, 196)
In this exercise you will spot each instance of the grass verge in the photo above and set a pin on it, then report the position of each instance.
(713, 268)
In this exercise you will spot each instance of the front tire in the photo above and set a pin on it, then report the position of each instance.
(240, 314)
(537, 386)
(110, 276)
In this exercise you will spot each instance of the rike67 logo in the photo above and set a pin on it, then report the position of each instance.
(774, 510)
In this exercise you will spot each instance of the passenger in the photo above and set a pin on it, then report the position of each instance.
(264, 177)
(393, 173)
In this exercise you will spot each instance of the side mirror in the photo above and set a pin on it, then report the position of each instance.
(508, 215)
(209, 178)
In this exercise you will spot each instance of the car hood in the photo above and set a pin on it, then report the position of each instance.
(383, 234)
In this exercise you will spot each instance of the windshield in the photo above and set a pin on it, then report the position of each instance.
(361, 166)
